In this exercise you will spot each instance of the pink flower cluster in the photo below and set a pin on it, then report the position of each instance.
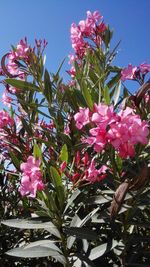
(92, 27)
(32, 177)
(5, 119)
(122, 130)
(88, 170)
(132, 73)
(21, 52)
(87, 31)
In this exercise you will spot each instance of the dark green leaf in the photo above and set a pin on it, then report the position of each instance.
(22, 85)
(117, 92)
(28, 223)
(114, 80)
(87, 95)
(27, 127)
(37, 252)
(74, 195)
(102, 249)
(15, 160)
(47, 87)
(81, 233)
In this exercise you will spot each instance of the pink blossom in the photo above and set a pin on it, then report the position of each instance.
(144, 68)
(32, 177)
(21, 52)
(82, 117)
(97, 139)
(89, 28)
(127, 132)
(94, 175)
(103, 115)
(72, 72)
(126, 150)
(72, 58)
(128, 73)
(5, 119)
(6, 100)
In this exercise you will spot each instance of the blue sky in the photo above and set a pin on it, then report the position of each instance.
(51, 19)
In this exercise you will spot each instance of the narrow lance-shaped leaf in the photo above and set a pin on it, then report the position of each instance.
(87, 95)
(22, 85)
(106, 95)
(56, 178)
(38, 251)
(47, 87)
(37, 151)
(102, 249)
(15, 160)
(117, 92)
(64, 153)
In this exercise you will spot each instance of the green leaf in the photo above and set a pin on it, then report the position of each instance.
(117, 93)
(79, 98)
(114, 80)
(64, 153)
(87, 95)
(107, 95)
(107, 36)
(47, 87)
(57, 182)
(27, 127)
(22, 85)
(74, 195)
(81, 233)
(37, 151)
(99, 199)
(37, 251)
(15, 160)
(56, 178)
(28, 223)
(102, 249)
(75, 221)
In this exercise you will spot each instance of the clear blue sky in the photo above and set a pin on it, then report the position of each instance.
(51, 19)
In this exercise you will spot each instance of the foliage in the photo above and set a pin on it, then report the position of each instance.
(74, 165)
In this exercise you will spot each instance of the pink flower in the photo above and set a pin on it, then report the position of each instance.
(21, 52)
(5, 119)
(89, 28)
(6, 100)
(29, 187)
(98, 139)
(127, 132)
(103, 115)
(94, 175)
(32, 177)
(144, 68)
(126, 150)
(71, 58)
(128, 73)
(72, 72)
(82, 117)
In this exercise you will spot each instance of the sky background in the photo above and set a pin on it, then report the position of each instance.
(51, 19)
